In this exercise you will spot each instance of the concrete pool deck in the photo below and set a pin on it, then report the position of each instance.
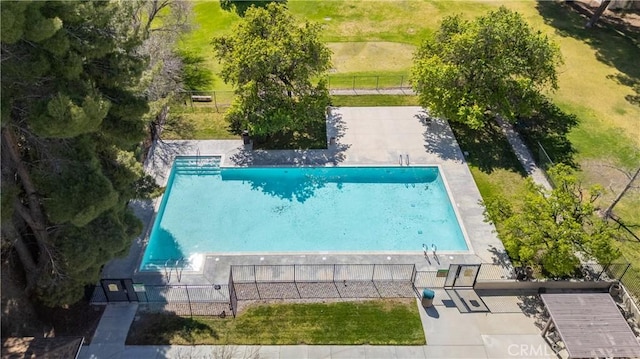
(363, 136)
(358, 136)
(449, 334)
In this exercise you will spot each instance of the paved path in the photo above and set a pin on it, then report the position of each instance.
(449, 334)
(524, 156)
(111, 334)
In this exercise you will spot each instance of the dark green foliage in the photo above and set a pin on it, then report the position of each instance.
(271, 60)
(195, 76)
(71, 120)
(554, 230)
(241, 6)
(472, 70)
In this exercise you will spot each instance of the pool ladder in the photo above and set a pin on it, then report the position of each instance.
(405, 160)
(178, 265)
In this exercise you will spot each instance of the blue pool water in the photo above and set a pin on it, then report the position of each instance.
(300, 209)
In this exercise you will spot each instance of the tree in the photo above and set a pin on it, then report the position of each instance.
(71, 120)
(556, 230)
(273, 61)
(608, 213)
(195, 74)
(241, 6)
(160, 23)
(496, 64)
(604, 4)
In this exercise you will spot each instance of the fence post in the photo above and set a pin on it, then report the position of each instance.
(255, 281)
(353, 86)
(189, 300)
(146, 298)
(604, 269)
(377, 82)
(334, 281)
(373, 272)
(401, 80)
(215, 101)
(625, 271)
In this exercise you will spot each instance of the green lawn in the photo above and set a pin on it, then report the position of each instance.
(201, 122)
(374, 40)
(374, 100)
(378, 322)
(368, 38)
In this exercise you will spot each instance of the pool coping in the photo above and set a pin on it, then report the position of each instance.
(342, 152)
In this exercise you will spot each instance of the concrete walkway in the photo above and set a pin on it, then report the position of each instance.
(523, 154)
(449, 333)
(374, 136)
(110, 336)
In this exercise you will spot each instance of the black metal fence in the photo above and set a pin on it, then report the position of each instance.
(184, 300)
(221, 99)
(341, 281)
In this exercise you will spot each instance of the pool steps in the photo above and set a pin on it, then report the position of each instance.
(197, 165)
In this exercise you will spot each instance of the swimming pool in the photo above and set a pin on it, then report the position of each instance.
(262, 210)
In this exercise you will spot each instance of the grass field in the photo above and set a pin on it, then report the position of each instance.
(379, 322)
(374, 100)
(374, 39)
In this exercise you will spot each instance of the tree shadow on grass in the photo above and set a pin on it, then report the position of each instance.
(241, 6)
(625, 80)
(549, 127)
(314, 137)
(165, 328)
(616, 44)
(488, 148)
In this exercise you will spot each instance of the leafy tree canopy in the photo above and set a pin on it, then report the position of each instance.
(241, 6)
(556, 230)
(274, 62)
(72, 118)
(495, 64)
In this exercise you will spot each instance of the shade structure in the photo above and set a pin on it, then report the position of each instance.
(591, 325)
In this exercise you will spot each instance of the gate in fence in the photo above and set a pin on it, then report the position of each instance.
(462, 275)
(322, 281)
(188, 300)
(118, 290)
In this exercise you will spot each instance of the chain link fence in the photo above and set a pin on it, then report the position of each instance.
(219, 100)
(545, 163)
(350, 82)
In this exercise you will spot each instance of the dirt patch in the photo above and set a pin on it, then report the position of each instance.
(623, 20)
(371, 56)
(21, 318)
(606, 173)
(77, 320)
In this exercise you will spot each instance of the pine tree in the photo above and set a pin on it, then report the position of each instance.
(71, 121)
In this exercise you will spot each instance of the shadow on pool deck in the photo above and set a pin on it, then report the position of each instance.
(373, 136)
